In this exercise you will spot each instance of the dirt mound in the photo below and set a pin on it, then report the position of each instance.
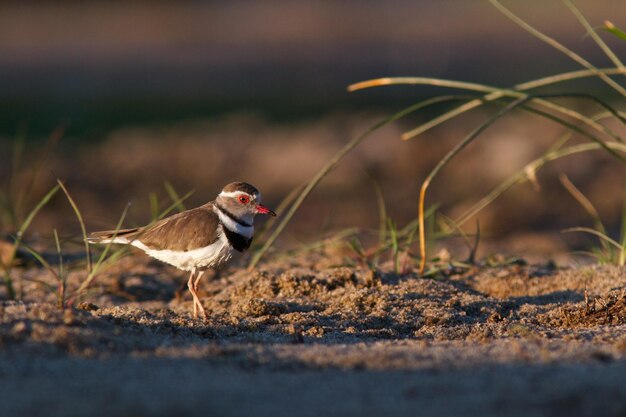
(566, 312)
(483, 340)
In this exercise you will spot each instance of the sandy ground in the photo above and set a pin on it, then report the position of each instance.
(315, 335)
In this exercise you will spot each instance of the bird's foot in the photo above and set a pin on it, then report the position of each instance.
(198, 311)
(203, 315)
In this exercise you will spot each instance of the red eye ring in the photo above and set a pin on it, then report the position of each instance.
(244, 199)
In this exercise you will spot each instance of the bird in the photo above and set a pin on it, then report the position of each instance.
(197, 239)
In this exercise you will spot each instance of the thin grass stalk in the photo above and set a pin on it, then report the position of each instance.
(575, 128)
(172, 206)
(474, 249)
(579, 116)
(35, 168)
(331, 164)
(112, 258)
(171, 191)
(43, 283)
(411, 235)
(567, 76)
(594, 232)
(46, 266)
(611, 110)
(26, 224)
(382, 220)
(622, 255)
(94, 271)
(61, 277)
(522, 175)
(407, 247)
(409, 231)
(79, 216)
(588, 207)
(458, 148)
(431, 231)
(395, 248)
(497, 94)
(18, 240)
(451, 225)
(267, 225)
(357, 247)
(540, 82)
(558, 46)
(153, 201)
(339, 236)
(583, 201)
(594, 35)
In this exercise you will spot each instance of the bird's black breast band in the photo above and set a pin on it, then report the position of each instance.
(232, 216)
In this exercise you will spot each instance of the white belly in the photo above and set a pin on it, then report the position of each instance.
(212, 256)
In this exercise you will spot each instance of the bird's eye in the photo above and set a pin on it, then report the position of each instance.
(244, 199)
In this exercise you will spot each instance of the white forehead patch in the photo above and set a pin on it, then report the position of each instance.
(233, 194)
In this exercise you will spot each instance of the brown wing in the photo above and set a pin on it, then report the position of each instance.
(184, 231)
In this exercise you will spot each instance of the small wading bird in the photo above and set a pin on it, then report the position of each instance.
(197, 239)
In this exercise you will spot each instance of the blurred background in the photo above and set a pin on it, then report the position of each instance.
(206, 92)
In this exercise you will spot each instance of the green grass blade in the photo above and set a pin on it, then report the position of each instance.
(62, 277)
(522, 175)
(594, 35)
(382, 218)
(584, 202)
(18, 240)
(472, 246)
(622, 256)
(35, 210)
(91, 275)
(473, 135)
(357, 247)
(594, 232)
(154, 206)
(541, 82)
(59, 252)
(174, 196)
(333, 239)
(395, 249)
(444, 161)
(611, 28)
(282, 206)
(574, 128)
(329, 167)
(35, 254)
(497, 94)
(611, 110)
(59, 290)
(79, 216)
(567, 76)
(174, 205)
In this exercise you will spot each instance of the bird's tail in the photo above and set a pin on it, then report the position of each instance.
(123, 236)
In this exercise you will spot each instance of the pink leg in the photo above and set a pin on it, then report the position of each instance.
(197, 305)
(197, 281)
(193, 293)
